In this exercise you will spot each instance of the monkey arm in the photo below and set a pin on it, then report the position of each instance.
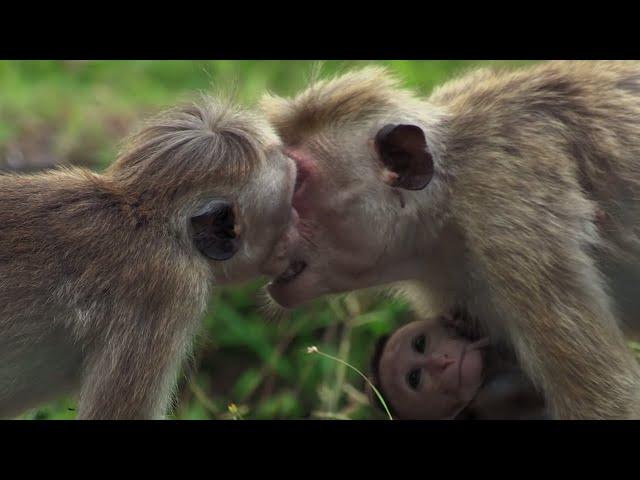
(508, 395)
(551, 301)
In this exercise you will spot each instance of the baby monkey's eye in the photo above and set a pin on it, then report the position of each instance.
(419, 343)
(413, 378)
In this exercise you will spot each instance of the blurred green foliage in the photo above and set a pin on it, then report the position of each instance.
(78, 112)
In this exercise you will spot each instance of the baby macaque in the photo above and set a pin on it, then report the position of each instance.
(440, 370)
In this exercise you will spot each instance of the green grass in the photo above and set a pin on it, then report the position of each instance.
(78, 112)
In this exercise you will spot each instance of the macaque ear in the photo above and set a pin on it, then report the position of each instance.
(403, 150)
(214, 231)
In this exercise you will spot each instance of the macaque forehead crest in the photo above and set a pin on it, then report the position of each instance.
(337, 101)
(195, 145)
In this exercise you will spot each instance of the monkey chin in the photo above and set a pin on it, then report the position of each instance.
(302, 287)
(296, 286)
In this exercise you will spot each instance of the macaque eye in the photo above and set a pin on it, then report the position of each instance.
(413, 378)
(419, 343)
(214, 232)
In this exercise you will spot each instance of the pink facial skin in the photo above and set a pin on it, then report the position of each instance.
(328, 208)
(428, 373)
(303, 210)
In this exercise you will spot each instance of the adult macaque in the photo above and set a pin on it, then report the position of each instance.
(104, 277)
(513, 195)
(437, 370)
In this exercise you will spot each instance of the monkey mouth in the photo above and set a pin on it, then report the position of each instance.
(291, 273)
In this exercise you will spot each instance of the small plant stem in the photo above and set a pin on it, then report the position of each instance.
(375, 390)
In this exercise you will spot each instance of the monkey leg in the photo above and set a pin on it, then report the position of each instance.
(132, 376)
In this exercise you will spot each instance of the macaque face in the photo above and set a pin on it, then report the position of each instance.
(427, 372)
(356, 210)
(247, 232)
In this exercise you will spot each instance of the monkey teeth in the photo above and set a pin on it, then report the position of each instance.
(292, 272)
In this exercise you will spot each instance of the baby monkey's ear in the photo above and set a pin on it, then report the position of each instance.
(214, 231)
(404, 152)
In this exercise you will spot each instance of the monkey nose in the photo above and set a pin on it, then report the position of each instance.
(437, 363)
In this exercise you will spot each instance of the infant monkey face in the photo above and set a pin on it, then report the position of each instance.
(427, 372)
